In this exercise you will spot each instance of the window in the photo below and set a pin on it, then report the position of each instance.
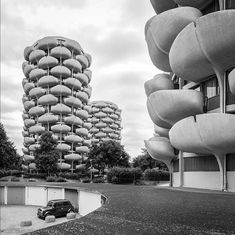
(210, 88)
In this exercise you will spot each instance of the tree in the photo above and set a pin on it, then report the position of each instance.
(46, 157)
(145, 161)
(108, 154)
(9, 159)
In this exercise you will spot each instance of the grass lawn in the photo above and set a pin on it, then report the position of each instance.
(149, 210)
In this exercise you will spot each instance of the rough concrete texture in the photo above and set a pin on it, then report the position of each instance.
(50, 219)
(160, 6)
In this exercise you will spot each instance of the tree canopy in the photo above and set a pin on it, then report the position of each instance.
(108, 154)
(9, 159)
(145, 161)
(46, 157)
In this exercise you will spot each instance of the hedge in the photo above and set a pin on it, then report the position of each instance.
(156, 175)
(118, 175)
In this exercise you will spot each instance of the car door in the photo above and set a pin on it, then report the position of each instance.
(59, 208)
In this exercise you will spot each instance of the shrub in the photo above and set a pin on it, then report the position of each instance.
(60, 179)
(51, 179)
(156, 175)
(15, 173)
(36, 176)
(4, 173)
(15, 179)
(70, 175)
(119, 175)
(4, 179)
(98, 180)
(86, 180)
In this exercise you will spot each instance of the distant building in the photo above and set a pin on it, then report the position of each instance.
(106, 122)
(195, 124)
(57, 92)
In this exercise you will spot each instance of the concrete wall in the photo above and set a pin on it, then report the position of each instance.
(205, 180)
(231, 181)
(88, 202)
(176, 179)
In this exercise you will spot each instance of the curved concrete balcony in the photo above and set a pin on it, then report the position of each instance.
(47, 62)
(205, 133)
(63, 147)
(161, 149)
(83, 60)
(163, 132)
(100, 115)
(48, 99)
(36, 129)
(82, 131)
(36, 111)
(73, 139)
(60, 52)
(29, 104)
(160, 6)
(48, 81)
(36, 55)
(36, 74)
(73, 65)
(160, 41)
(200, 4)
(87, 143)
(73, 120)
(205, 47)
(158, 82)
(82, 149)
(73, 157)
(73, 102)
(60, 90)
(83, 96)
(231, 81)
(63, 166)
(60, 71)
(36, 92)
(32, 166)
(80, 166)
(82, 78)
(61, 109)
(48, 118)
(166, 107)
(61, 128)
(88, 73)
(29, 122)
(100, 135)
(73, 83)
(83, 114)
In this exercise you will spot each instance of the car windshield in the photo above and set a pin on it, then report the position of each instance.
(50, 204)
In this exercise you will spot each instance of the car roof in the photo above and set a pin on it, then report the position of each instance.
(59, 200)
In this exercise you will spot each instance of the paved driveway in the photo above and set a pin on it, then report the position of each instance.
(11, 216)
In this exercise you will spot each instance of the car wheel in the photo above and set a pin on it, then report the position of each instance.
(47, 215)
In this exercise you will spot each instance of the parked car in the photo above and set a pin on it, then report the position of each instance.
(58, 207)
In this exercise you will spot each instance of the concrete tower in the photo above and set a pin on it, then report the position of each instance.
(57, 92)
(106, 121)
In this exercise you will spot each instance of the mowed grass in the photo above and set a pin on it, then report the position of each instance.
(150, 210)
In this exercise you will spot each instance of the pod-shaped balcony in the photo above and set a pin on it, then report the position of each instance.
(36, 74)
(47, 62)
(72, 157)
(160, 6)
(73, 139)
(82, 149)
(73, 120)
(48, 118)
(83, 61)
(83, 114)
(48, 81)
(60, 52)
(36, 55)
(48, 99)
(61, 109)
(159, 41)
(205, 47)
(73, 83)
(166, 107)
(73, 65)
(73, 102)
(158, 82)
(63, 166)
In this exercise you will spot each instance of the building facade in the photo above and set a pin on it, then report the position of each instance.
(56, 95)
(192, 104)
(106, 122)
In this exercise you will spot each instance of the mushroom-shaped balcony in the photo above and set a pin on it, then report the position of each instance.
(88, 73)
(100, 125)
(36, 111)
(63, 147)
(231, 81)
(87, 108)
(48, 81)
(73, 102)
(100, 135)
(48, 118)
(36, 92)
(29, 122)
(94, 130)
(82, 149)
(60, 71)
(80, 166)
(87, 125)
(48, 99)
(60, 109)
(73, 120)
(60, 52)
(73, 139)
(158, 82)
(72, 157)
(205, 134)
(159, 41)
(63, 166)
(200, 4)
(166, 107)
(32, 166)
(60, 90)
(83, 60)
(36, 55)
(82, 131)
(61, 128)
(160, 6)
(73, 83)
(36, 129)
(34, 147)
(29, 140)
(74, 46)
(82, 78)
(36, 74)
(82, 96)
(205, 47)
(83, 114)
(73, 64)
(164, 132)
(100, 115)
(107, 110)
(29, 104)
(87, 143)
(47, 43)
(47, 62)
(161, 149)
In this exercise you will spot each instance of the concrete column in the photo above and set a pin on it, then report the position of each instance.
(181, 168)
(221, 159)
(5, 195)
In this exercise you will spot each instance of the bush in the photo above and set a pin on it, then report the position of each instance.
(36, 176)
(60, 179)
(4, 173)
(51, 179)
(86, 180)
(15, 179)
(70, 175)
(16, 173)
(156, 175)
(119, 175)
(4, 179)
(98, 180)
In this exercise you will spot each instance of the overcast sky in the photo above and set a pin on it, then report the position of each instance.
(112, 31)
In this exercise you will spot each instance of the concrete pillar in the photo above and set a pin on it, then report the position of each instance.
(181, 168)
(221, 159)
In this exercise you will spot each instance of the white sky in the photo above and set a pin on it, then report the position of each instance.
(112, 31)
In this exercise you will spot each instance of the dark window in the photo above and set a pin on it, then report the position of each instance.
(176, 165)
(231, 162)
